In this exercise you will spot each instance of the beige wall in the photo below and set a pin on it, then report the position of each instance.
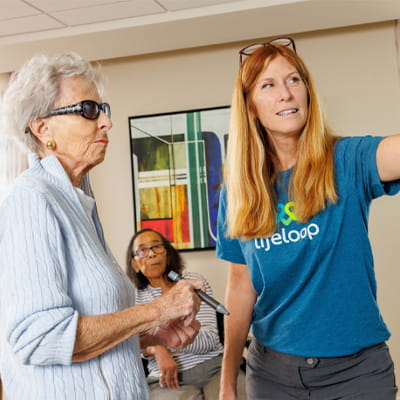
(357, 74)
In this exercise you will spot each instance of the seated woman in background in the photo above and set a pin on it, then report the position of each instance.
(189, 373)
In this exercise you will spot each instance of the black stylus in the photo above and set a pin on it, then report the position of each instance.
(203, 295)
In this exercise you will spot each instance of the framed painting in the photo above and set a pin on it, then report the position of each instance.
(177, 162)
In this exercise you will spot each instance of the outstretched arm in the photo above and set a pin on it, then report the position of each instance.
(388, 158)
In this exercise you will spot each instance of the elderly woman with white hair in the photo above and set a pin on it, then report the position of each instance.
(69, 327)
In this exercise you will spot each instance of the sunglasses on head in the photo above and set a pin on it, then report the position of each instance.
(280, 41)
(88, 109)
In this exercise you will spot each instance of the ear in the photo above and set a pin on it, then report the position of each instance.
(40, 129)
(135, 266)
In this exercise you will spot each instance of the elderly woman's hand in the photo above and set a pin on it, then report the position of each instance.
(180, 303)
(177, 309)
(176, 334)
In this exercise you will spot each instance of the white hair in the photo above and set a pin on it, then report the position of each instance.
(31, 94)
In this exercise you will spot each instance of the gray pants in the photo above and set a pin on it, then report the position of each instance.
(367, 375)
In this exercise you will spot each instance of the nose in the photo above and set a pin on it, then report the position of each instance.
(284, 92)
(151, 253)
(104, 121)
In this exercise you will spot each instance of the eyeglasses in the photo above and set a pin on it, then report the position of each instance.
(249, 50)
(88, 109)
(144, 251)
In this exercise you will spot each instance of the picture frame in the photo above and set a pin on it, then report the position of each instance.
(177, 163)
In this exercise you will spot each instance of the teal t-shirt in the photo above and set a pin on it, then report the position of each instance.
(315, 282)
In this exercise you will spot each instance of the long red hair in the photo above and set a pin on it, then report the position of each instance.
(252, 164)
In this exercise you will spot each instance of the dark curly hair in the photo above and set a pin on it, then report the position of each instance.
(174, 260)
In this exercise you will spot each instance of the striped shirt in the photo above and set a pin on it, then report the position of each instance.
(206, 345)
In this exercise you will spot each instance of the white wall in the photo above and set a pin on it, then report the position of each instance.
(357, 74)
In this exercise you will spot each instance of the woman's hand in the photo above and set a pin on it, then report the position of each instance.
(180, 302)
(177, 309)
(168, 321)
(167, 366)
(176, 335)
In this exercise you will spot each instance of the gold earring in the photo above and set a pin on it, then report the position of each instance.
(51, 144)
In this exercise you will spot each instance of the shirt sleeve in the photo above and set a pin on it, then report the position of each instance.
(227, 249)
(38, 317)
(356, 159)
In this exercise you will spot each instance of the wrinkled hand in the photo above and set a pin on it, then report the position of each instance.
(176, 334)
(176, 325)
(180, 302)
(168, 368)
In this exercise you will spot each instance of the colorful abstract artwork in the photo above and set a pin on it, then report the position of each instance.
(177, 161)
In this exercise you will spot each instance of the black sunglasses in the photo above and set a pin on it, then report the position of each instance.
(280, 41)
(88, 109)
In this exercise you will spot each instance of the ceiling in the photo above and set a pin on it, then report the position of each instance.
(100, 29)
